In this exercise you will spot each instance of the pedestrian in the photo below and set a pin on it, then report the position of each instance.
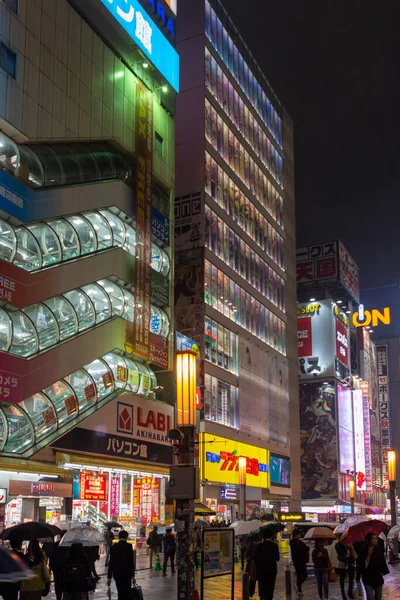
(108, 542)
(300, 557)
(10, 591)
(373, 567)
(77, 574)
(122, 566)
(93, 554)
(57, 565)
(31, 589)
(243, 545)
(154, 543)
(169, 551)
(266, 558)
(351, 569)
(321, 562)
(338, 556)
(197, 546)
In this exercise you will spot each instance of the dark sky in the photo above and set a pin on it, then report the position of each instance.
(335, 64)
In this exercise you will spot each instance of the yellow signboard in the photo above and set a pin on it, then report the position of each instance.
(372, 317)
(220, 461)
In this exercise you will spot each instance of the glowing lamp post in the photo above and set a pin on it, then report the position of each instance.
(186, 389)
(242, 483)
(352, 492)
(392, 483)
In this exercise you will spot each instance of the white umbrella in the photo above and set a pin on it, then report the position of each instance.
(87, 536)
(66, 525)
(355, 519)
(246, 527)
(341, 528)
(320, 533)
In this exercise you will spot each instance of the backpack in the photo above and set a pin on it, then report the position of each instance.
(74, 575)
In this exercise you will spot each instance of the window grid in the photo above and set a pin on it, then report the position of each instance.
(8, 60)
(234, 251)
(221, 188)
(231, 300)
(221, 346)
(221, 402)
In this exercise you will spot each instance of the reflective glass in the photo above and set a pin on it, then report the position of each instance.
(129, 308)
(48, 243)
(28, 256)
(65, 315)
(68, 238)
(42, 415)
(102, 376)
(5, 330)
(45, 323)
(119, 369)
(165, 264)
(145, 386)
(20, 431)
(83, 387)
(164, 324)
(102, 229)
(83, 307)
(53, 173)
(86, 234)
(64, 401)
(8, 242)
(70, 164)
(130, 240)
(117, 227)
(31, 168)
(24, 339)
(100, 301)
(9, 154)
(87, 161)
(103, 159)
(133, 380)
(156, 258)
(115, 295)
(155, 320)
(3, 430)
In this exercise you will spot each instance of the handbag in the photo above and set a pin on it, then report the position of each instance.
(332, 576)
(90, 584)
(136, 592)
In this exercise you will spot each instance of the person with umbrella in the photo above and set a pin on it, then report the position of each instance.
(32, 589)
(10, 591)
(76, 576)
(266, 559)
(321, 562)
(57, 564)
(300, 556)
(373, 566)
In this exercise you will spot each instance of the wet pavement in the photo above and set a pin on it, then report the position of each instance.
(157, 587)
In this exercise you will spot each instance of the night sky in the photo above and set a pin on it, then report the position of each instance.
(335, 66)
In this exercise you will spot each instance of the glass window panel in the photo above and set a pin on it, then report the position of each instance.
(118, 367)
(42, 415)
(45, 324)
(117, 227)
(67, 236)
(3, 430)
(83, 307)
(207, 397)
(66, 317)
(8, 241)
(83, 387)
(64, 401)
(100, 301)
(146, 381)
(24, 339)
(102, 229)
(28, 255)
(207, 338)
(129, 308)
(130, 241)
(9, 152)
(164, 324)
(155, 321)
(116, 296)
(133, 378)
(165, 264)
(102, 377)
(20, 431)
(5, 331)
(156, 258)
(86, 234)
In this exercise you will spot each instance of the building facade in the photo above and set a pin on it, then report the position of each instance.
(87, 171)
(235, 264)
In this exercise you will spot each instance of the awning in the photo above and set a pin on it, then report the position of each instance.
(202, 509)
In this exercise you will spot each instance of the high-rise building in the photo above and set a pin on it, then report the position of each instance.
(87, 149)
(235, 264)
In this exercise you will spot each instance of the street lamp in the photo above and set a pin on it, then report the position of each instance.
(242, 483)
(391, 455)
(186, 389)
(352, 491)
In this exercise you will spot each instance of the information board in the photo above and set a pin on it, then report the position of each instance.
(217, 555)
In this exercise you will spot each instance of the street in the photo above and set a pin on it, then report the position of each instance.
(157, 587)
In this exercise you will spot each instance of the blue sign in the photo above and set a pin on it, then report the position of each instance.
(183, 343)
(144, 32)
(160, 226)
(15, 197)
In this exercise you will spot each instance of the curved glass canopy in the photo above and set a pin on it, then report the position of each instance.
(33, 420)
(53, 241)
(45, 324)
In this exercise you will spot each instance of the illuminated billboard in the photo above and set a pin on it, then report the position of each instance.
(346, 430)
(145, 33)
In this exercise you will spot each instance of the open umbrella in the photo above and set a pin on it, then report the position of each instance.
(87, 536)
(163, 530)
(12, 567)
(319, 533)
(273, 528)
(356, 533)
(30, 531)
(65, 525)
(394, 533)
(201, 509)
(201, 523)
(113, 524)
(246, 527)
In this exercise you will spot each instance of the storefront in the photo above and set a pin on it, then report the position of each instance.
(220, 478)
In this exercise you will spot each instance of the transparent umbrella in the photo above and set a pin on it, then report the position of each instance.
(246, 527)
(87, 536)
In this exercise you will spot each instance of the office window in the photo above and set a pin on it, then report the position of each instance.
(158, 144)
(12, 5)
(8, 60)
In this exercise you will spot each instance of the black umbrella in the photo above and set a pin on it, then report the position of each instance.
(30, 531)
(113, 524)
(272, 528)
